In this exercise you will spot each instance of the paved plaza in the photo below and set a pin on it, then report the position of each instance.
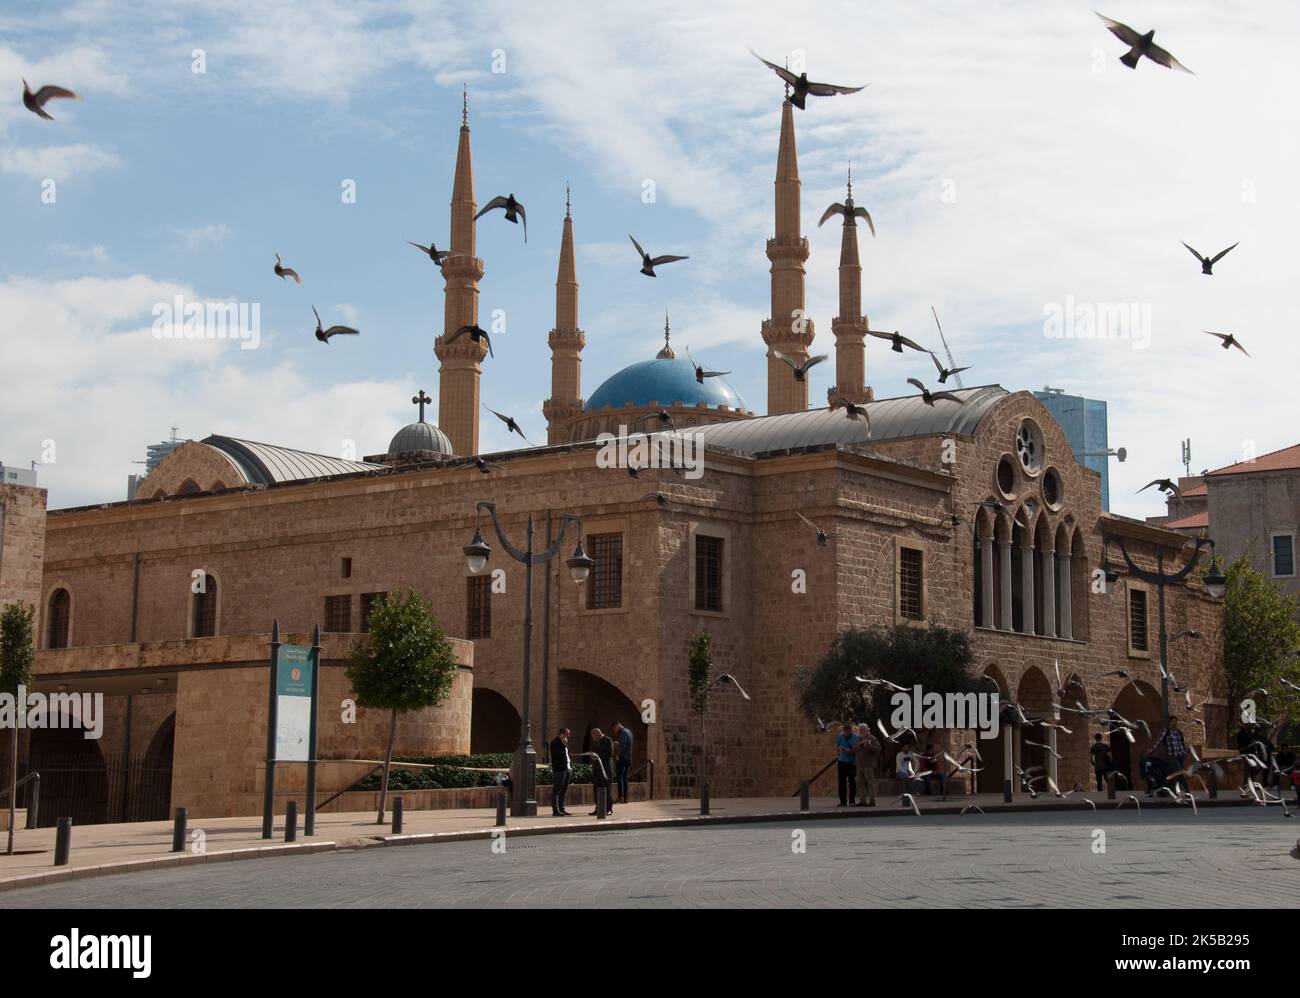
(1223, 858)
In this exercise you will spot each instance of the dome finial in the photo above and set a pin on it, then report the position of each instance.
(850, 180)
(667, 352)
(567, 204)
(464, 107)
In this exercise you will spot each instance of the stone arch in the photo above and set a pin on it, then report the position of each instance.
(494, 722)
(585, 700)
(1137, 700)
(74, 777)
(159, 494)
(992, 776)
(218, 486)
(149, 795)
(1044, 591)
(1080, 587)
(188, 487)
(987, 592)
(1034, 695)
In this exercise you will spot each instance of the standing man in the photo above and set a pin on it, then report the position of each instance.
(846, 743)
(601, 768)
(624, 764)
(1101, 764)
(864, 762)
(562, 771)
(1171, 739)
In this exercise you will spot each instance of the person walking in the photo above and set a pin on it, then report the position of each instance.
(1175, 749)
(601, 767)
(865, 753)
(561, 772)
(1101, 761)
(845, 744)
(623, 765)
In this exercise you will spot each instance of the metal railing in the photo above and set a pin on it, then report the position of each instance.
(33, 796)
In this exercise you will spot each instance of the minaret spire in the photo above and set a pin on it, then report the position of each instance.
(788, 330)
(850, 326)
(566, 341)
(460, 371)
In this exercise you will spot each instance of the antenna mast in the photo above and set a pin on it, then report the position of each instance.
(944, 341)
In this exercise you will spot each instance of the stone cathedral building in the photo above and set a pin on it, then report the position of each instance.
(972, 515)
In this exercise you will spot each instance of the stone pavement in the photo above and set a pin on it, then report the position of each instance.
(1223, 858)
(99, 850)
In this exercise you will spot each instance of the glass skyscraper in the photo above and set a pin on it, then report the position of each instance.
(1084, 423)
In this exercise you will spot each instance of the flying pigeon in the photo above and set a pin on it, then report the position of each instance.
(946, 372)
(513, 209)
(35, 102)
(898, 341)
(1140, 45)
(476, 333)
(929, 398)
(432, 251)
(1229, 340)
(511, 425)
(283, 272)
(649, 263)
(802, 86)
(324, 334)
(800, 370)
(701, 373)
(1208, 262)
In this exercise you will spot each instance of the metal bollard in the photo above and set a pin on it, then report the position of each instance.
(34, 800)
(62, 842)
(180, 829)
(803, 795)
(602, 803)
(291, 821)
(1110, 786)
(398, 805)
(501, 808)
(704, 798)
(1213, 784)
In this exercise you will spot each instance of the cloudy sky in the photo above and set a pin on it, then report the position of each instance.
(1012, 166)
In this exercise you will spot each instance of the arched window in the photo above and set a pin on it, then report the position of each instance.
(60, 612)
(205, 608)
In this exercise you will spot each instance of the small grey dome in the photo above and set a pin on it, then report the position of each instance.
(420, 436)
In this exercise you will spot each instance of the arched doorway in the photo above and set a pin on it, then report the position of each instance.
(74, 778)
(584, 701)
(149, 793)
(993, 749)
(1035, 698)
(494, 723)
(1137, 701)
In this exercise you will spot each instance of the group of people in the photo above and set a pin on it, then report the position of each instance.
(1279, 766)
(857, 751)
(611, 765)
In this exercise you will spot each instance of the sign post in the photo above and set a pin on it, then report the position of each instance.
(291, 718)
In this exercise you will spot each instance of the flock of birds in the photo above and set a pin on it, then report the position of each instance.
(1255, 756)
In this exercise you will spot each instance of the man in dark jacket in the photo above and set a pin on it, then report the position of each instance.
(601, 768)
(562, 772)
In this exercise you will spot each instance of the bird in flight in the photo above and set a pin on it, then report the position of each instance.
(1140, 45)
(854, 410)
(898, 341)
(800, 370)
(802, 86)
(727, 677)
(35, 102)
(664, 417)
(822, 536)
(511, 425)
(1164, 485)
(929, 397)
(283, 272)
(882, 682)
(486, 466)
(701, 373)
(1208, 262)
(649, 263)
(947, 372)
(324, 334)
(850, 211)
(513, 209)
(432, 251)
(476, 333)
(1229, 340)
(658, 497)
(911, 801)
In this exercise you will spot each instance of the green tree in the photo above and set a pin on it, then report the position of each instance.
(700, 685)
(936, 658)
(404, 663)
(17, 653)
(1259, 635)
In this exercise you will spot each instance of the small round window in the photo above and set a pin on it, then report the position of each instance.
(1053, 491)
(1007, 476)
(1029, 446)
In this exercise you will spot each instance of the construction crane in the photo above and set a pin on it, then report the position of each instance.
(942, 339)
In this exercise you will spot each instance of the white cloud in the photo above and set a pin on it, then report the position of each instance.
(96, 253)
(201, 236)
(56, 162)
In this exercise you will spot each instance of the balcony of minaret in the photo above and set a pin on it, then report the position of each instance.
(798, 250)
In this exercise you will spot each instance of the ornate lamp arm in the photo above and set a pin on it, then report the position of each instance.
(513, 551)
(1155, 577)
(554, 549)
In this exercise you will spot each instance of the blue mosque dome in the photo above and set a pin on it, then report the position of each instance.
(667, 379)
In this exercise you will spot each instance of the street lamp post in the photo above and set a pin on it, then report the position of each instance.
(523, 771)
(1214, 585)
